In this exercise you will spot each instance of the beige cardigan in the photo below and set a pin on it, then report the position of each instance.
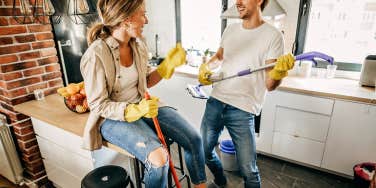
(100, 69)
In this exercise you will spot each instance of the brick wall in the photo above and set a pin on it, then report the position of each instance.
(28, 61)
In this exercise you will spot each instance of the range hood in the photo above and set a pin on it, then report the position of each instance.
(273, 9)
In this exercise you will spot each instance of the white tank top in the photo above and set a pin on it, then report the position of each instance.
(128, 84)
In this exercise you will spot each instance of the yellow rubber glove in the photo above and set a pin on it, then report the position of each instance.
(284, 63)
(174, 58)
(145, 108)
(204, 73)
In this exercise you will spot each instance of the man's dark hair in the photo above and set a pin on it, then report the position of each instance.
(263, 5)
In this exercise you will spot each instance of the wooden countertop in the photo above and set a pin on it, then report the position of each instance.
(339, 88)
(53, 111)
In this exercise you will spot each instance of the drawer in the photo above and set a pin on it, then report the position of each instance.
(300, 123)
(304, 102)
(65, 159)
(297, 148)
(61, 177)
(60, 137)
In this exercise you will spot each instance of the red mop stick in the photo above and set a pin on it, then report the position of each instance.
(161, 138)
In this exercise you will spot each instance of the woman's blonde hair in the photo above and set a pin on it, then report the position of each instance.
(111, 13)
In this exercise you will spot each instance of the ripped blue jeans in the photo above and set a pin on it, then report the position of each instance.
(139, 139)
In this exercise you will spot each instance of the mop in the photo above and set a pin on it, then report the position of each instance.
(197, 92)
(162, 140)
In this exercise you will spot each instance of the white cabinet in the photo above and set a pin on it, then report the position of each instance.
(295, 126)
(351, 138)
(65, 161)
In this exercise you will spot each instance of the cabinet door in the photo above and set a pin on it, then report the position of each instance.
(351, 138)
(297, 148)
(309, 125)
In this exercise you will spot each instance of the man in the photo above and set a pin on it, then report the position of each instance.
(235, 102)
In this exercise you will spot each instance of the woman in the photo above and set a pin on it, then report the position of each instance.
(116, 76)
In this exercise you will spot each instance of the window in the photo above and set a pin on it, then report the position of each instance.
(344, 29)
(201, 24)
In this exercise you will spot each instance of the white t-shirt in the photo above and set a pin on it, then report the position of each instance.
(243, 49)
(128, 84)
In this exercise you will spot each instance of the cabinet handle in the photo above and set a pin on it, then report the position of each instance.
(296, 136)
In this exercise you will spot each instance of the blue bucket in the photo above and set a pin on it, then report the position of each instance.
(227, 146)
(228, 155)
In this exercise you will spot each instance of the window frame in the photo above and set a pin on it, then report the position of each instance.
(301, 31)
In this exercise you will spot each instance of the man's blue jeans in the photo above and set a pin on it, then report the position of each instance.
(240, 125)
(139, 139)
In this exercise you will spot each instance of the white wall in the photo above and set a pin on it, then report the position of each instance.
(161, 14)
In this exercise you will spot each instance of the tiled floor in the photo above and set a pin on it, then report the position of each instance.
(276, 173)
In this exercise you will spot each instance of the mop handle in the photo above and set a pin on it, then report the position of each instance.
(304, 56)
(161, 138)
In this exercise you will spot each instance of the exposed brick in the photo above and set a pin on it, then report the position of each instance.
(30, 158)
(13, 116)
(12, 30)
(43, 20)
(30, 150)
(50, 91)
(21, 124)
(18, 66)
(29, 55)
(6, 106)
(23, 82)
(41, 85)
(48, 60)
(55, 83)
(6, 40)
(8, 59)
(2, 84)
(15, 93)
(34, 176)
(52, 68)
(10, 2)
(33, 71)
(44, 36)
(44, 44)
(51, 76)
(25, 38)
(22, 99)
(25, 137)
(12, 76)
(3, 21)
(48, 52)
(20, 20)
(34, 167)
(8, 11)
(39, 28)
(14, 49)
(22, 131)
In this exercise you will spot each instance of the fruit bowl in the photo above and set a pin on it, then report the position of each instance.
(78, 106)
(75, 97)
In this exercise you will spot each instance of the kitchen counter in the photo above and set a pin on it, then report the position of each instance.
(53, 111)
(339, 88)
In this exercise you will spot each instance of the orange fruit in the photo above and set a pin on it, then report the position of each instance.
(73, 89)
